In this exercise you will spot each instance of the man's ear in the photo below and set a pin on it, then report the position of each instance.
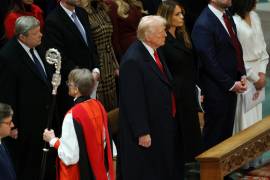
(21, 38)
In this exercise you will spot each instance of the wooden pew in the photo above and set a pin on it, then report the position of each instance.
(236, 151)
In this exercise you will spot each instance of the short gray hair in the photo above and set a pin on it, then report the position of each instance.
(83, 80)
(5, 111)
(148, 24)
(25, 23)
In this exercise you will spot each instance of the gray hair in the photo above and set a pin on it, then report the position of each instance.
(83, 80)
(25, 23)
(5, 111)
(148, 25)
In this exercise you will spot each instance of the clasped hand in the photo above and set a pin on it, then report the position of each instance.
(48, 135)
(145, 140)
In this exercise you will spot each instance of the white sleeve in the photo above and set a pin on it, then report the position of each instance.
(68, 150)
(264, 55)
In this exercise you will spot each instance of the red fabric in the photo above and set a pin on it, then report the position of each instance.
(56, 144)
(124, 29)
(92, 117)
(9, 22)
(235, 42)
(160, 66)
(64, 172)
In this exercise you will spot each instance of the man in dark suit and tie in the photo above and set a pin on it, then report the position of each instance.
(149, 146)
(67, 29)
(222, 72)
(7, 171)
(25, 85)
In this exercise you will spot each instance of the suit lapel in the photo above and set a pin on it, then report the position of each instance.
(28, 61)
(221, 29)
(69, 24)
(153, 66)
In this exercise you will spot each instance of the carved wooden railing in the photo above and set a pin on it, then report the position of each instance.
(236, 151)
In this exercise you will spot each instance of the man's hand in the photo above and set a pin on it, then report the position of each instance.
(240, 86)
(14, 133)
(48, 135)
(145, 140)
(261, 82)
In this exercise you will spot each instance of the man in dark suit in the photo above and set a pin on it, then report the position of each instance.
(222, 72)
(67, 29)
(7, 171)
(148, 130)
(25, 85)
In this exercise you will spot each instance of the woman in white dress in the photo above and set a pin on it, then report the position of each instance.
(255, 57)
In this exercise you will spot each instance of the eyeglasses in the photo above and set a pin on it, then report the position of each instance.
(7, 123)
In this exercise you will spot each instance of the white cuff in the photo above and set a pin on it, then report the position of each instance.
(53, 141)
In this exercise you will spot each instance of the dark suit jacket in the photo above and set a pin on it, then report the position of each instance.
(146, 108)
(30, 97)
(7, 171)
(218, 73)
(61, 33)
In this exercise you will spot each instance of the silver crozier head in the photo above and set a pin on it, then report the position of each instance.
(54, 57)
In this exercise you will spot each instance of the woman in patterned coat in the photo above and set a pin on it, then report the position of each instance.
(101, 29)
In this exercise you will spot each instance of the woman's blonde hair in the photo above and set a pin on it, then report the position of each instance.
(166, 10)
(124, 6)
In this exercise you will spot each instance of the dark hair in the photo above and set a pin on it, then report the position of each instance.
(19, 6)
(166, 10)
(5, 111)
(242, 7)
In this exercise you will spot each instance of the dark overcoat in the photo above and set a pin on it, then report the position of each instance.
(146, 108)
(182, 65)
(30, 97)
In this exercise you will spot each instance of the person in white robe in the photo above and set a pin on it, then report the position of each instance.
(256, 58)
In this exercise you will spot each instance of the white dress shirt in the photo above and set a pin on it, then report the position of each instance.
(219, 15)
(27, 49)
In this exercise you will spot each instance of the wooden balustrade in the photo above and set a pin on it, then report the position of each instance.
(235, 151)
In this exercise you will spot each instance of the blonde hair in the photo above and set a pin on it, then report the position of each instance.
(148, 25)
(124, 6)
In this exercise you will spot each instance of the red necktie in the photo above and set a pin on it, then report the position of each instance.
(235, 42)
(161, 68)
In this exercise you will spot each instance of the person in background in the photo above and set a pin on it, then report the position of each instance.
(180, 58)
(125, 16)
(101, 30)
(256, 58)
(21, 8)
(84, 148)
(7, 171)
(149, 143)
(67, 29)
(221, 70)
